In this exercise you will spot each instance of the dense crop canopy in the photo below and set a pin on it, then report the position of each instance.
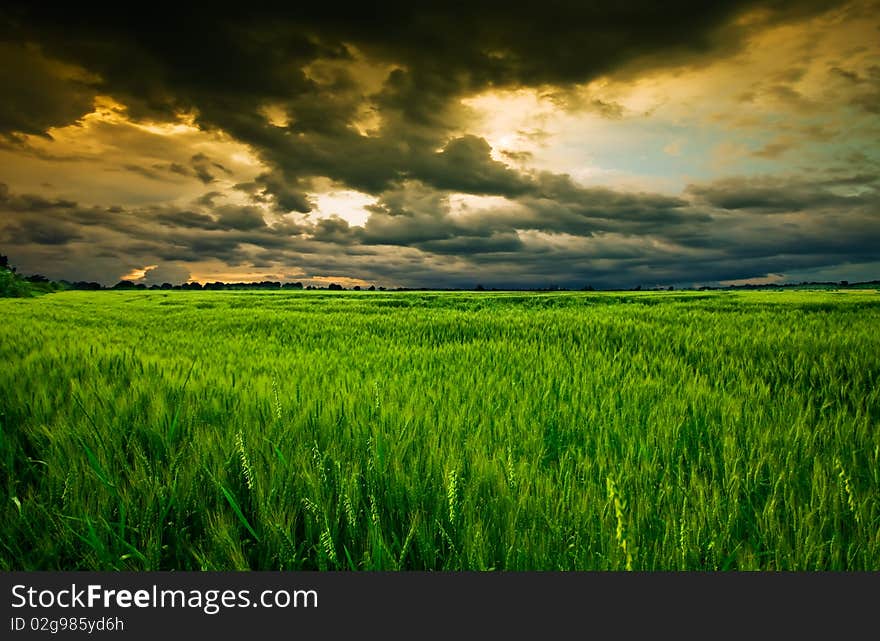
(368, 430)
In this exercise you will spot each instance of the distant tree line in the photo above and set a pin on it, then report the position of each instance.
(219, 285)
(277, 285)
(13, 284)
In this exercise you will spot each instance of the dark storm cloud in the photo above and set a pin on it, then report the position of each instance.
(332, 229)
(774, 194)
(191, 219)
(39, 231)
(225, 69)
(38, 92)
(227, 217)
(134, 236)
(30, 202)
(416, 213)
(35, 203)
(465, 165)
(239, 218)
(501, 242)
(249, 50)
(554, 233)
(225, 66)
(289, 194)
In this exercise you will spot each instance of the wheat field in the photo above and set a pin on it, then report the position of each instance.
(734, 430)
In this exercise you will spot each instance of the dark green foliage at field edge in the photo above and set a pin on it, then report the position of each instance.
(13, 285)
(195, 430)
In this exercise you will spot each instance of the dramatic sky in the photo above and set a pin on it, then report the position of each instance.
(434, 144)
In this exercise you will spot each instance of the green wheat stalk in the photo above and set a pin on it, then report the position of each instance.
(619, 504)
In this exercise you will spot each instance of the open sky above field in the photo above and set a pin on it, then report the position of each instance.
(413, 144)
